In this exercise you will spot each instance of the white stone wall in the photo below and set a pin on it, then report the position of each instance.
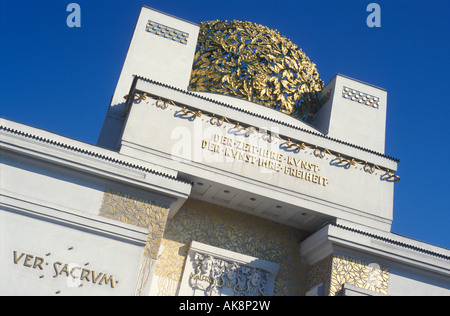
(53, 240)
(44, 257)
(355, 113)
(203, 150)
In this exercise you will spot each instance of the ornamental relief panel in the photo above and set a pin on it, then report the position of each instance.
(211, 271)
(234, 231)
(363, 274)
(137, 211)
(224, 278)
(141, 212)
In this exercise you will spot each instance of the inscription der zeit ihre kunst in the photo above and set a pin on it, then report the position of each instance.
(267, 158)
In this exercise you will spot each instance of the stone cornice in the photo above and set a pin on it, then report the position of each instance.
(265, 118)
(385, 246)
(73, 154)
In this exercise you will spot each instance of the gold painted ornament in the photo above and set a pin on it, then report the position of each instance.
(255, 63)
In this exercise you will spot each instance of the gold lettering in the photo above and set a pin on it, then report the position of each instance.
(261, 162)
(95, 278)
(27, 259)
(280, 157)
(85, 275)
(212, 147)
(60, 268)
(38, 261)
(315, 178)
(286, 169)
(205, 278)
(293, 172)
(71, 272)
(16, 260)
(107, 280)
(263, 157)
(273, 155)
(56, 269)
(304, 165)
(290, 161)
(64, 270)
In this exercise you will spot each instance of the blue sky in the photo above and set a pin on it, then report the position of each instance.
(61, 79)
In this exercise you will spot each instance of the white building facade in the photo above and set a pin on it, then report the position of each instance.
(198, 193)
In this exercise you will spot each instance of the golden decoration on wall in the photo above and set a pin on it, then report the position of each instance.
(235, 231)
(359, 273)
(255, 63)
(137, 211)
(320, 273)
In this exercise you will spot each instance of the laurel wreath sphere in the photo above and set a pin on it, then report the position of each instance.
(255, 63)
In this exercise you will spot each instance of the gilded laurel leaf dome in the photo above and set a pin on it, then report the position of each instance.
(255, 63)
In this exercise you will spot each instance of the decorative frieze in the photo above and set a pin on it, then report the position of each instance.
(285, 142)
(360, 97)
(167, 32)
(212, 271)
(221, 277)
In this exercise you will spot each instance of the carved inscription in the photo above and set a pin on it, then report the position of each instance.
(272, 160)
(60, 269)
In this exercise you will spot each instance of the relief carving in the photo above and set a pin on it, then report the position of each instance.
(218, 277)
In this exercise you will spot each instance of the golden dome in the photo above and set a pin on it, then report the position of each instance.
(252, 62)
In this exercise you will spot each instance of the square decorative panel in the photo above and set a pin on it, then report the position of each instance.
(360, 97)
(167, 32)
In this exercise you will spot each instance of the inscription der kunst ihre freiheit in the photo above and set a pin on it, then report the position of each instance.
(265, 158)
